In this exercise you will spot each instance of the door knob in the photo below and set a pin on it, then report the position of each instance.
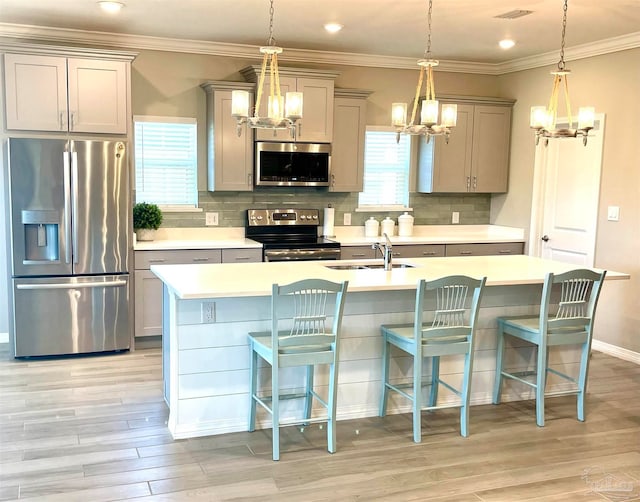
(545, 238)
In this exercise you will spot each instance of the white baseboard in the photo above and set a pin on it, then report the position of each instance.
(615, 351)
(4, 337)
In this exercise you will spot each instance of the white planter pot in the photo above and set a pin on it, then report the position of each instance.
(145, 234)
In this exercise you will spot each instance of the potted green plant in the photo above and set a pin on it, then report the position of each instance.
(146, 220)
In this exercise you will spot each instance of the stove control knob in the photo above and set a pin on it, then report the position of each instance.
(315, 216)
(303, 216)
(259, 218)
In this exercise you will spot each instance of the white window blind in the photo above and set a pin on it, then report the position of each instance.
(166, 161)
(386, 169)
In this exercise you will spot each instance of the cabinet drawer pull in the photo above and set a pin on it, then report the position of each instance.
(357, 255)
(198, 260)
(504, 251)
(157, 260)
(242, 258)
(428, 253)
(466, 253)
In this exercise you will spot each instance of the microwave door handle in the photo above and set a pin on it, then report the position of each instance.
(67, 206)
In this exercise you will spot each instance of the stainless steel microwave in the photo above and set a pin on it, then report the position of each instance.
(293, 164)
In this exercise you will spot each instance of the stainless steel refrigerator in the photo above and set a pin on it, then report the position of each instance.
(69, 231)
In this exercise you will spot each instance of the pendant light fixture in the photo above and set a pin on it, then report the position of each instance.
(281, 113)
(428, 125)
(543, 120)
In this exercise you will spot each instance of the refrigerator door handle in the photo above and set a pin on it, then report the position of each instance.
(67, 207)
(95, 284)
(74, 198)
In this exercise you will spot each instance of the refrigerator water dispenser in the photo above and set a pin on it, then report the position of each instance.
(41, 236)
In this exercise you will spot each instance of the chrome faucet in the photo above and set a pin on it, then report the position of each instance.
(385, 250)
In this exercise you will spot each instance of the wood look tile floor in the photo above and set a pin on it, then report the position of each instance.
(93, 429)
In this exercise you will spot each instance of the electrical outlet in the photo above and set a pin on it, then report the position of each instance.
(347, 219)
(613, 213)
(455, 217)
(211, 219)
(208, 312)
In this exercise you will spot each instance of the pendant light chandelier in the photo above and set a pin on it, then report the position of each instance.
(281, 114)
(428, 125)
(543, 120)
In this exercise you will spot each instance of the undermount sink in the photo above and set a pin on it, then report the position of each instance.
(367, 266)
(393, 265)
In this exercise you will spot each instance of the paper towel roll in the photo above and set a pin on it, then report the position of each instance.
(329, 222)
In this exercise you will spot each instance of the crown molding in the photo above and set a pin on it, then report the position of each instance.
(13, 35)
(599, 48)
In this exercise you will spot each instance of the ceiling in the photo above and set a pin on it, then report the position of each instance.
(462, 30)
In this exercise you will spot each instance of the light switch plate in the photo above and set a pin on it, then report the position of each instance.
(613, 213)
(347, 219)
(455, 217)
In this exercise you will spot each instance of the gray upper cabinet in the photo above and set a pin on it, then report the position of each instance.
(229, 156)
(58, 93)
(476, 159)
(317, 86)
(347, 150)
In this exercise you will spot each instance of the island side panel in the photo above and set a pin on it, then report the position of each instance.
(209, 365)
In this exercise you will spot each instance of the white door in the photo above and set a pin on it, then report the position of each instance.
(566, 196)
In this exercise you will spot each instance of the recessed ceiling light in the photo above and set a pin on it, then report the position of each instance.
(111, 7)
(507, 43)
(333, 27)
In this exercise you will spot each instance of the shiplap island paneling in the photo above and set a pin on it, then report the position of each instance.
(205, 365)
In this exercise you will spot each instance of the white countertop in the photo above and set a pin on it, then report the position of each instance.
(435, 234)
(197, 238)
(197, 281)
(233, 237)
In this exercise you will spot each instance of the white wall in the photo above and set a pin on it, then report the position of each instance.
(611, 84)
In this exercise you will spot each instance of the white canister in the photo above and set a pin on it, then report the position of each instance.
(388, 226)
(371, 227)
(405, 225)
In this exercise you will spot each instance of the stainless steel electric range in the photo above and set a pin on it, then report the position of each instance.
(290, 235)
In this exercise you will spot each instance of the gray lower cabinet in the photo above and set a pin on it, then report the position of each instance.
(148, 288)
(485, 249)
(357, 252)
(418, 250)
(399, 251)
(434, 250)
(241, 255)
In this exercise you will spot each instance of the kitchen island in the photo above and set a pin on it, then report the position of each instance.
(209, 309)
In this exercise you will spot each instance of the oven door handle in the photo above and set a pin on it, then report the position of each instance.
(302, 254)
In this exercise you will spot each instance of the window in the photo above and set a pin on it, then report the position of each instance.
(386, 169)
(166, 161)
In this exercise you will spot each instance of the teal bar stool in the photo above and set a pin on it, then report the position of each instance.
(299, 337)
(572, 324)
(450, 331)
